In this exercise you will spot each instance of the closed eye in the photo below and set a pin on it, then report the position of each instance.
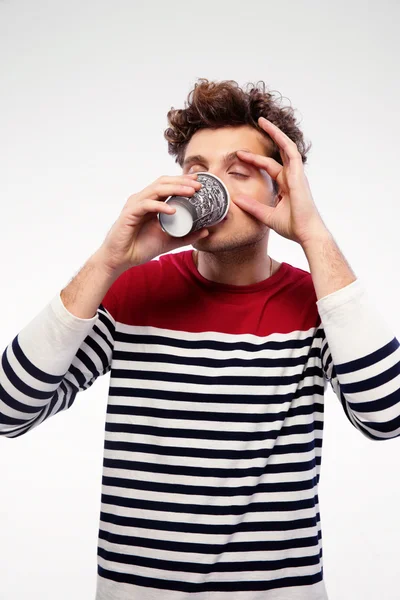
(239, 175)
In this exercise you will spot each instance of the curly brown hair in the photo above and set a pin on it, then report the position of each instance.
(212, 104)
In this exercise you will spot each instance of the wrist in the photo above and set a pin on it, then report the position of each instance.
(103, 268)
(319, 237)
(85, 292)
(329, 269)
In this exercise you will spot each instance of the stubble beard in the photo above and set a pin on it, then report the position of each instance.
(233, 248)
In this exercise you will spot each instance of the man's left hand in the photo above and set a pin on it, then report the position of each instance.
(295, 215)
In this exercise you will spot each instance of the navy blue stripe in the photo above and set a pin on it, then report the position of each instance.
(78, 375)
(55, 399)
(102, 335)
(18, 432)
(22, 425)
(17, 405)
(386, 427)
(372, 382)
(198, 415)
(208, 529)
(69, 394)
(100, 353)
(360, 425)
(108, 320)
(26, 366)
(10, 421)
(228, 398)
(213, 363)
(213, 453)
(211, 586)
(89, 364)
(219, 434)
(207, 568)
(209, 509)
(198, 471)
(376, 405)
(64, 395)
(326, 360)
(196, 344)
(369, 359)
(209, 547)
(232, 380)
(208, 490)
(324, 349)
(31, 369)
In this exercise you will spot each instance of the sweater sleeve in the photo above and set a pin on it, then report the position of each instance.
(53, 358)
(361, 360)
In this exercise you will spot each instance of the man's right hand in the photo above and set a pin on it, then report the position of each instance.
(137, 237)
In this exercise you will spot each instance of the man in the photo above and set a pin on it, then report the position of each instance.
(219, 360)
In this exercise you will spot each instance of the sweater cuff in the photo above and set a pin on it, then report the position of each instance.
(353, 326)
(52, 338)
(68, 319)
(334, 301)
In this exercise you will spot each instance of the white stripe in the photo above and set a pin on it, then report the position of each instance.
(215, 336)
(208, 425)
(208, 388)
(210, 501)
(210, 520)
(376, 393)
(199, 443)
(208, 559)
(372, 370)
(274, 370)
(226, 482)
(202, 538)
(210, 463)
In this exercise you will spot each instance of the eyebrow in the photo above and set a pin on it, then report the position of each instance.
(198, 158)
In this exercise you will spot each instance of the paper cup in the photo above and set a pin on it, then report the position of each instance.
(208, 206)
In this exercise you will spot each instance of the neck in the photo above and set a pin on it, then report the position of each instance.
(234, 267)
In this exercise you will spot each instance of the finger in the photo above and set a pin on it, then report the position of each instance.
(281, 139)
(260, 211)
(181, 179)
(161, 191)
(169, 186)
(146, 206)
(266, 163)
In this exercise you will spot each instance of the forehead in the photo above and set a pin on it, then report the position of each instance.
(214, 143)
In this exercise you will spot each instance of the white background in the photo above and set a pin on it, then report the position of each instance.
(85, 88)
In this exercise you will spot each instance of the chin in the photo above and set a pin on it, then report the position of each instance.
(217, 241)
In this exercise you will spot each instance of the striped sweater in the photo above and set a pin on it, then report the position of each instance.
(214, 424)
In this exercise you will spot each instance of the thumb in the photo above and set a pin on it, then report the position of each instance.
(260, 211)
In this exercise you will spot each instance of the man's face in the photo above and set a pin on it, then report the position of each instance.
(211, 146)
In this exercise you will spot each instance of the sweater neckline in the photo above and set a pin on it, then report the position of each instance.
(230, 288)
